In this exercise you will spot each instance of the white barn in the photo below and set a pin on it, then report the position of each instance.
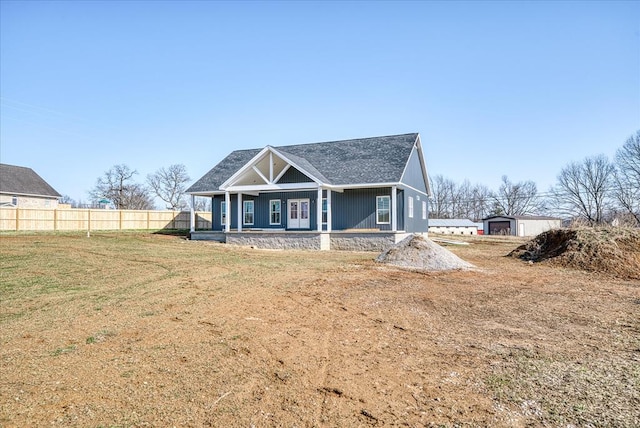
(453, 226)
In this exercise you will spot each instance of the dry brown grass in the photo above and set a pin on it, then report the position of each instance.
(148, 330)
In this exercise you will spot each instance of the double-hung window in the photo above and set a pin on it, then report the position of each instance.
(424, 210)
(410, 202)
(247, 212)
(275, 209)
(383, 209)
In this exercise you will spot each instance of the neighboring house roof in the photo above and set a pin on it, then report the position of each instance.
(522, 217)
(338, 163)
(451, 222)
(19, 180)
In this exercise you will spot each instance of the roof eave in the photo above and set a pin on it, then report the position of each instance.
(35, 195)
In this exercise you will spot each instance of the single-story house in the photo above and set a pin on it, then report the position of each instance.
(519, 225)
(453, 226)
(360, 194)
(22, 187)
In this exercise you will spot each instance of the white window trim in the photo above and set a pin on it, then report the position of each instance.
(271, 211)
(410, 208)
(223, 213)
(245, 212)
(378, 198)
(424, 210)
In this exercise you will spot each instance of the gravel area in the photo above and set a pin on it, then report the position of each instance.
(416, 252)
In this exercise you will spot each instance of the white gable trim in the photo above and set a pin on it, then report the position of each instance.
(293, 164)
(232, 182)
(406, 186)
(271, 187)
(244, 168)
(423, 165)
(255, 168)
(286, 168)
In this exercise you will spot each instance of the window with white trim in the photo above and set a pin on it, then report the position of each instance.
(410, 203)
(223, 213)
(247, 211)
(424, 210)
(275, 209)
(383, 209)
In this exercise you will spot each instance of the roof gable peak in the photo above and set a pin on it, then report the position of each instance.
(266, 169)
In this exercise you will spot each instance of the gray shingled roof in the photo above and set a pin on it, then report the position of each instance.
(339, 163)
(19, 180)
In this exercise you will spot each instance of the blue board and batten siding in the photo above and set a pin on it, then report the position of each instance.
(415, 223)
(356, 209)
(413, 176)
(262, 209)
(351, 209)
(413, 173)
(292, 175)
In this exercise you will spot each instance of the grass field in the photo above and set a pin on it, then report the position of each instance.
(137, 329)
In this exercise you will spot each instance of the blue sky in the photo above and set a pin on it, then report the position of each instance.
(494, 88)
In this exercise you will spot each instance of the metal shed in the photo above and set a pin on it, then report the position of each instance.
(520, 225)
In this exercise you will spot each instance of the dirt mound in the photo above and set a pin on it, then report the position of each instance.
(614, 251)
(419, 253)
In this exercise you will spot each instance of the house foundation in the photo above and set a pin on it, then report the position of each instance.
(308, 240)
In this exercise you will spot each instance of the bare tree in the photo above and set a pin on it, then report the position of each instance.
(479, 206)
(138, 197)
(626, 184)
(66, 199)
(169, 184)
(118, 187)
(516, 198)
(442, 196)
(583, 189)
(452, 200)
(202, 203)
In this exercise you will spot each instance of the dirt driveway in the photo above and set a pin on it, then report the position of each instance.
(149, 330)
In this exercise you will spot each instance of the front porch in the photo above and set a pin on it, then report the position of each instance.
(305, 240)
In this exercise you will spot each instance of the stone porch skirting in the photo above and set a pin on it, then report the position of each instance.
(345, 241)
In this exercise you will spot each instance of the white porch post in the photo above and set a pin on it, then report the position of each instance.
(227, 211)
(394, 209)
(329, 210)
(192, 217)
(239, 212)
(319, 209)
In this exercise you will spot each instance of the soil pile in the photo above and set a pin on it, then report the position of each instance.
(418, 253)
(614, 251)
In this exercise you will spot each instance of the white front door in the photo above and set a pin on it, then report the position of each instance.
(298, 210)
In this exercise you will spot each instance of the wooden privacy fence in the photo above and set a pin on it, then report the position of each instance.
(24, 219)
